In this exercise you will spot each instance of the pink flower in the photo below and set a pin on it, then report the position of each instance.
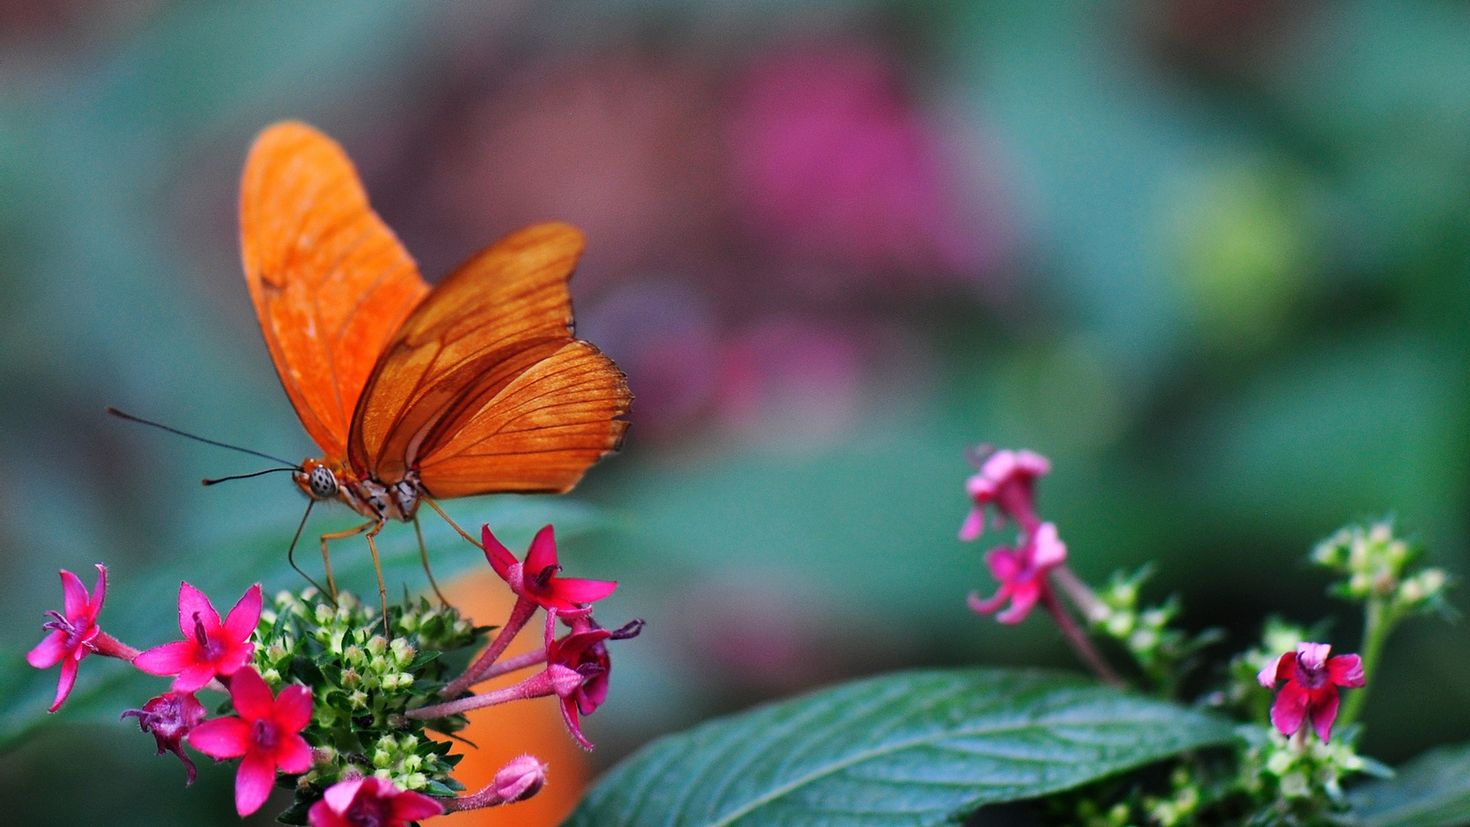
(73, 635)
(1007, 481)
(170, 717)
(266, 736)
(536, 579)
(518, 780)
(1312, 680)
(370, 800)
(1022, 573)
(584, 652)
(209, 647)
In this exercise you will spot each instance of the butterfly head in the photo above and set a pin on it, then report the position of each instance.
(317, 479)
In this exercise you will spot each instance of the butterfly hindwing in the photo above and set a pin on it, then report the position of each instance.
(330, 282)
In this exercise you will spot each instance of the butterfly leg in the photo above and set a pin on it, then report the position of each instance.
(338, 535)
(452, 524)
(424, 558)
(378, 570)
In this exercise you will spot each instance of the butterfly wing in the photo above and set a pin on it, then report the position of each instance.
(330, 282)
(484, 389)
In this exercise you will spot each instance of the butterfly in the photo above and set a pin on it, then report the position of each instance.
(414, 393)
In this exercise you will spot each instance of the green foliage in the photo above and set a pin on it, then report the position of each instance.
(908, 748)
(1431, 791)
(364, 683)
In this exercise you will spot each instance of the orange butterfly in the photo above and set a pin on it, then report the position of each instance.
(473, 386)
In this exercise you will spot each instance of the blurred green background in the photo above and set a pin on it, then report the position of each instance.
(1213, 258)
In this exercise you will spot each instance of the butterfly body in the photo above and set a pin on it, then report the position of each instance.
(371, 498)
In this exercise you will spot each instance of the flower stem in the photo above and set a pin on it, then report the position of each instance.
(536, 686)
(514, 664)
(522, 612)
(105, 644)
(1079, 641)
(1378, 621)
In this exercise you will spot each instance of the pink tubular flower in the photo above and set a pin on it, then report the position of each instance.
(583, 651)
(170, 717)
(73, 634)
(1022, 573)
(209, 647)
(266, 736)
(370, 800)
(536, 579)
(1007, 481)
(1312, 680)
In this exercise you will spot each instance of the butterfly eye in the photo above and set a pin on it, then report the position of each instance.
(323, 483)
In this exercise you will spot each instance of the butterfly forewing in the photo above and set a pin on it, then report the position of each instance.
(330, 282)
(475, 364)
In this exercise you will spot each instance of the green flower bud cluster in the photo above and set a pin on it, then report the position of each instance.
(1300, 778)
(1376, 565)
(1148, 634)
(362, 683)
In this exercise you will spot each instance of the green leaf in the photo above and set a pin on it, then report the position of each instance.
(1433, 789)
(909, 748)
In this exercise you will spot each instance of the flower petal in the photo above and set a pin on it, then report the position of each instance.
(1023, 597)
(495, 551)
(985, 607)
(49, 651)
(193, 677)
(411, 806)
(1345, 670)
(1290, 708)
(1311, 656)
(244, 617)
(542, 552)
(1004, 563)
(339, 796)
(580, 590)
(1277, 670)
(321, 814)
(293, 755)
(1048, 550)
(254, 781)
(221, 737)
(252, 698)
(169, 659)
(99, 592)
(1324, 711)
(73, 595)
(974, 524)
(292, 710)
(65, 682)
(574, 723)
(191, 602)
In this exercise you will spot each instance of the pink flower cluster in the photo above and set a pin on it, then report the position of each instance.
(576, 665)
(266, 732)
(1006, 483)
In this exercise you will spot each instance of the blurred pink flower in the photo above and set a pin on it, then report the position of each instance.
(832, 161)
(1007, 482)
(1022, 573)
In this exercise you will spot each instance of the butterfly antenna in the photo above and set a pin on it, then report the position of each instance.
(217, 480)
(141, 421)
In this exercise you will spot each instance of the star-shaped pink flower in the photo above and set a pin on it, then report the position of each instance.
(1312, 680)
(1022, 573)
(265, 736)
(536, 579)
(1006, 481)
(73, 632)
(370, 801)
(209, 647)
